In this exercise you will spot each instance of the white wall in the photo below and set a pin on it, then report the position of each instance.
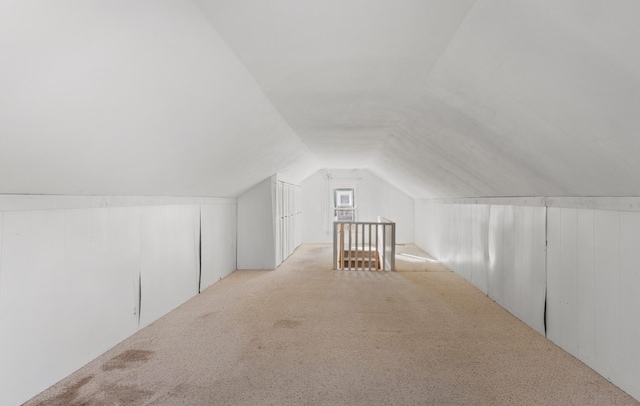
(317, 203)
(70, 281)
(256, 232)
(269, 221)
(589, 271)
(216, 222)
(594, 290)
(170, 260)
(498, 248)
(373, 197)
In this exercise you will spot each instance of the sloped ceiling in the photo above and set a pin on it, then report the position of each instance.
(208, 97)
(454, 98)
(131, 97)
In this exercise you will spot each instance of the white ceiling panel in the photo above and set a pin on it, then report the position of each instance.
(466, 98)
(477, 98)
(131, 98)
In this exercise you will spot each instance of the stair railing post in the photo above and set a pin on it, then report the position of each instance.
(393, 247)
(369, 246)
(335, 245)
(350, 245)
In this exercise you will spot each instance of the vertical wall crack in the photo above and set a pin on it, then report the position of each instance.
(544, 314)
(200, 254)
(139, 297)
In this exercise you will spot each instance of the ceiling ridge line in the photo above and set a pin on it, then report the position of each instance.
(205, 14)
(427, 76)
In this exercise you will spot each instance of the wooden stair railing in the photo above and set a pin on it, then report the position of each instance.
(364, 245)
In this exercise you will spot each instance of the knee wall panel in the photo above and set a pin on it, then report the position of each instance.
(586, 286)
(499, 248)
(218, 224)
(593, 290)
(583, 264)
(630, 303)
(496, 254)
(70, 281)
(170, 269)
(59, 304)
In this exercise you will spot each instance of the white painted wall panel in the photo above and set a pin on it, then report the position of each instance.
(533, 267)
(454, 222)
(630, 303)
(72, 293)
(77, 279)
(218, 242)
(481, 244)
(607, 293)
(256, 228)
(568, 280)
(442, 244)
(447, 229)
(554, 269)
(467, 243)
(520, 268)
(496, 275)
(508, 261)
(589, 273)
(593, 285)
(538, 286)
(95, 293)
(17, 382)
(470, 241)
(586, 288)
(499, 248)
(69, 282)
(170, 262)
(466, 253)
(118, 251)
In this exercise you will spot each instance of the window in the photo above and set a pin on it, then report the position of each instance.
(344, 204)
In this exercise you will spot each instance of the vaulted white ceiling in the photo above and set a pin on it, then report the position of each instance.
(131, 97)
(454, 98)
(206, 97)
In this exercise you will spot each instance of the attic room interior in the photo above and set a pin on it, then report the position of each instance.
(149, 149)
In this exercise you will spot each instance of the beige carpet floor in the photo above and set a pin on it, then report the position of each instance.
(308, 335)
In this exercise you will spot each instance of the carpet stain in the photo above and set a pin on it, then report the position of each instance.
(69, 396)
(206, 315)
(128, 357)
(123, 395)
(286, 324)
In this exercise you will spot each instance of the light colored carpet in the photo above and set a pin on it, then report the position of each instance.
(307, 335)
